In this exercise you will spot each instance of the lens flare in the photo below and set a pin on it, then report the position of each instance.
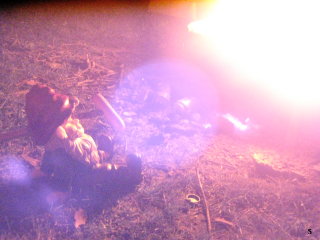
(273, 44)
(14, 170)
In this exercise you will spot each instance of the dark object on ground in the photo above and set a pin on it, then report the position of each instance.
(106, 144)
(67, 173)
(46, 110)
(134, 163)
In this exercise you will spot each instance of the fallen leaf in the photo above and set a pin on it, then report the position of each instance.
(193, 198)
(80, 218)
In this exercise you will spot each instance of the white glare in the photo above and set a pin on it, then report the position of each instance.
(236, 122)
(185, 102)
(274, 44)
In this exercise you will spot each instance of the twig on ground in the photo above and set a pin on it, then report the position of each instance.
(206, 208)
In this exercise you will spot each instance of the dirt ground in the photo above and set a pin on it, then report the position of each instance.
(248, 189)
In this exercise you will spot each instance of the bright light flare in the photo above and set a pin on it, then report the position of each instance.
(274, 44)
(184, 102)
(236, 122)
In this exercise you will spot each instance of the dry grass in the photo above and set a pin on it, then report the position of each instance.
(252, 192)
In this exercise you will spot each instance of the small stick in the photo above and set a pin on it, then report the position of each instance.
(109, 113)
(206, 208)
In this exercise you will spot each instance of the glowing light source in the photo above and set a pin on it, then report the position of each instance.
(274, 44)
(236, 122)
(186, 102)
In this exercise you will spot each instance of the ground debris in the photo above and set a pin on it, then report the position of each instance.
(80, 218)
(224, 221)
(252, 192)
